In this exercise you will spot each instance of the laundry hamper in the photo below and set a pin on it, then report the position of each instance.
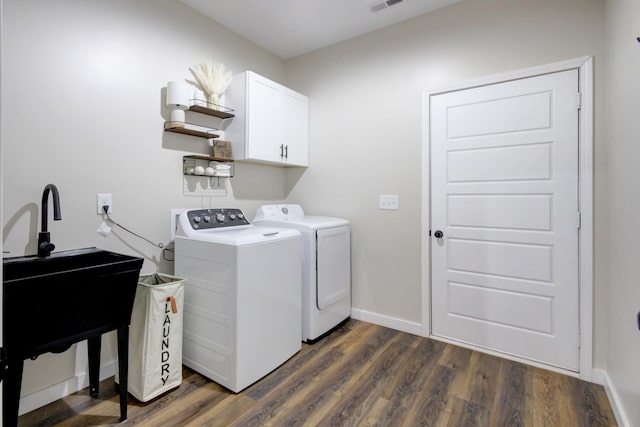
(155, 336)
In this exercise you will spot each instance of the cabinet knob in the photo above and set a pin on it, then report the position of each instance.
(438, 234)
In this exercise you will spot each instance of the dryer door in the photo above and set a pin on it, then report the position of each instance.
(333, 268)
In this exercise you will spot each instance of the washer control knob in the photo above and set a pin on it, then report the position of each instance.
(196, 219)
(220, 217)
(232, 216)
(207, 218)
(240, 216)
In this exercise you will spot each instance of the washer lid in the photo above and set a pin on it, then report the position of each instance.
(247, 236)
(226, 226)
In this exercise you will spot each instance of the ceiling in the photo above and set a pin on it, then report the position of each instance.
(290, 28)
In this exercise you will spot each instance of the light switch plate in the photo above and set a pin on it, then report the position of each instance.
(389, 202)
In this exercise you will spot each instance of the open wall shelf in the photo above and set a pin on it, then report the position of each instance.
(196, 130)
(225, 113)
(183, 128)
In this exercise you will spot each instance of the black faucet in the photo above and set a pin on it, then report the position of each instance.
(44, 239)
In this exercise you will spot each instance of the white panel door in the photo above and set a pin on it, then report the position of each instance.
(504, 174)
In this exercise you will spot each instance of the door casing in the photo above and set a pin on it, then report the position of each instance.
(584, 65)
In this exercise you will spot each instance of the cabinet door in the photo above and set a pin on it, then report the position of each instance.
(264, 129)
(295, 109)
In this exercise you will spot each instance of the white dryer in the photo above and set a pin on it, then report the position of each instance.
(242, 306)
(326, 265)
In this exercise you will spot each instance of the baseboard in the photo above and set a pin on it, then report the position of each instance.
(601, 377)
(58, 391)
(387, 321)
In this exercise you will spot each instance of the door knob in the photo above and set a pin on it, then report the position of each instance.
(438, 234)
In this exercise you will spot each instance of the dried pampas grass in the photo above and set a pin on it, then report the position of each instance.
(212, 78)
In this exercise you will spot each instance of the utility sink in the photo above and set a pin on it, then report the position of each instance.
(50, 303)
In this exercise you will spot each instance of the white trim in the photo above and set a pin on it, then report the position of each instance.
(402, 325)
(586, 166)
(426, 216)
(1, 184)
(601, 377)
(512, 75)
(58, 391)
(585, 68)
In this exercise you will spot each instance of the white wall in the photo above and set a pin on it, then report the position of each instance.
(365, 100)
(83, 109)
(623, 152)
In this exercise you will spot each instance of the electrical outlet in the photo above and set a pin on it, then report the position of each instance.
(104, 199)
(388, 202)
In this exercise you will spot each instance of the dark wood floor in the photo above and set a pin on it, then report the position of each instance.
(362, 375)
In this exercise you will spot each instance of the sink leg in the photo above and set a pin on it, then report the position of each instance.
(94, 344)
(11, 393)
(123, 368)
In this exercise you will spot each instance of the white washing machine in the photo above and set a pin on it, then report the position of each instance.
(242, 306)
(326, 265)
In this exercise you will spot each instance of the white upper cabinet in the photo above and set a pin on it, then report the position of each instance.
(271, 123)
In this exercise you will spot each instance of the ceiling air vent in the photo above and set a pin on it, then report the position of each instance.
(376, 7)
